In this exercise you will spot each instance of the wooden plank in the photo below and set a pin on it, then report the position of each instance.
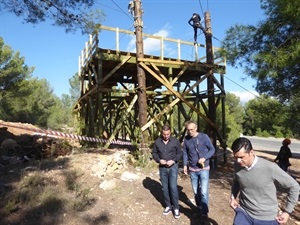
(115, 69)
(179, 74)
(120, 123)
(158, 115)
(178, 95)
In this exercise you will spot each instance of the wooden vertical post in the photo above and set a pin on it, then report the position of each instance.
(210, 82)
(141, 78)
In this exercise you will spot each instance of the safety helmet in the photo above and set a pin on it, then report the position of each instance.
(287, 141)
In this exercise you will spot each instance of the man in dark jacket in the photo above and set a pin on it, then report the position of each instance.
(284, 155)
(196, 19)
(167, 152)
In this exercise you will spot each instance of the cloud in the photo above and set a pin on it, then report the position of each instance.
(246, 95)
(151, 45)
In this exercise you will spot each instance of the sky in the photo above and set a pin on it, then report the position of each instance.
(54, 53)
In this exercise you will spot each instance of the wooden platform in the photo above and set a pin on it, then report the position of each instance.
(177, 89)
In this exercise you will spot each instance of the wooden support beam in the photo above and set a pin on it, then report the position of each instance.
(107, 76)
(178, 95)
(120, 122)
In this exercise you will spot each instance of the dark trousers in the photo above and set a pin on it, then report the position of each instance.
(196, 26)
(168, 177)
(243, 218)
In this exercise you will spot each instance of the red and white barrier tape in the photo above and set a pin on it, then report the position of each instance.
(59, 134)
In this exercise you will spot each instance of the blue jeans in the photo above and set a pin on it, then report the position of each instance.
(168, 177)
(200, 185)
(243, 218)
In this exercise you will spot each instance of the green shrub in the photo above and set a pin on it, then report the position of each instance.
(11, 206)
(278, 134)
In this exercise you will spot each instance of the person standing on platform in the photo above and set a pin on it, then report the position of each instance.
(195, 22)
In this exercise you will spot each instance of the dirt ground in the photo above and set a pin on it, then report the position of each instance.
(131, 202)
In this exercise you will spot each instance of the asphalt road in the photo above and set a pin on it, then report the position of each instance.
(273, 145)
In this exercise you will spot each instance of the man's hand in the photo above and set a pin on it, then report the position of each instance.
(162, 162)
(233, 203)
(170, 163)
(283, 218)
(185, 170)
(201, 162)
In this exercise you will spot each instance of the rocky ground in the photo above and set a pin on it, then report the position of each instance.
(138, 201)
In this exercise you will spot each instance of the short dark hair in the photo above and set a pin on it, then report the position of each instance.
(240, 143)
(165, 127)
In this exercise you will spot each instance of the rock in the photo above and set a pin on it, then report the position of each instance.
(104, 159)
(108, 184)
(9, 147)
(99, 169)
(127, 176)
(113, 167)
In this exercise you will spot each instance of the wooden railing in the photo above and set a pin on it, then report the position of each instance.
(88, 51)
(92, 44)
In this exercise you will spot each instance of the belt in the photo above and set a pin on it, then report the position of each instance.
(167, 166)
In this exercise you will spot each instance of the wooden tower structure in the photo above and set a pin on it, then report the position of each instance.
(176, 89)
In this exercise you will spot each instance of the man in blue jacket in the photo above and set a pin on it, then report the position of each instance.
(197, 150)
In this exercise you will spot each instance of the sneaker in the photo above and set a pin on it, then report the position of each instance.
(176, 214)
(167, 210)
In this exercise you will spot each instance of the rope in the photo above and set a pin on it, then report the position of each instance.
(201, 7)
(58, 134)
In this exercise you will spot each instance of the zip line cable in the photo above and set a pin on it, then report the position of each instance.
(120, 11)
(257, 96)
(109, 7)
(201, 7)
(207, 6)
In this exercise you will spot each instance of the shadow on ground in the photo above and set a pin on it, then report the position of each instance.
(187, 208)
